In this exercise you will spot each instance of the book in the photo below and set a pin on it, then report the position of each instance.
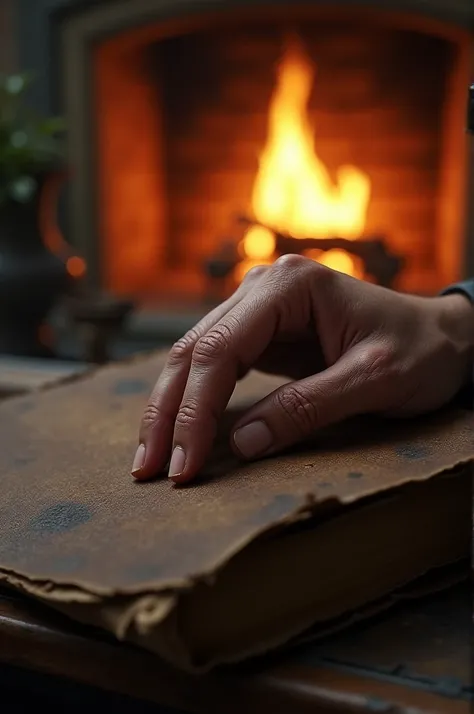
(248, 558)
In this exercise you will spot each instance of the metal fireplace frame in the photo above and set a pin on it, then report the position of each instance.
(46, 27)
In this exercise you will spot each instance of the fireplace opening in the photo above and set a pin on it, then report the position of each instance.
(219, 148)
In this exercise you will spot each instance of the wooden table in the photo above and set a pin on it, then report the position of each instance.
(413, 659)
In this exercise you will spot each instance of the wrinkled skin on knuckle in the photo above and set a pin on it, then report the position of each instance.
(291, 262)
(214, 344)
(298, 409)
(255, 273)
(187, 415)
(382, 365)
(150, 416)
(208, 348)
(182, 350)
(288, 286)
(298, 267)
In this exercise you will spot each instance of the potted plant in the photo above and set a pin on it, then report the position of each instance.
(32, 276)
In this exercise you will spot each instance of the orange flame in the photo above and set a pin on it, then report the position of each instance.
(293, 191)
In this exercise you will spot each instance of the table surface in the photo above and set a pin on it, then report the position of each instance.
(22, 374)
(413, 658)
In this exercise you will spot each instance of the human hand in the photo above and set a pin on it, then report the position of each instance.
(350, 347)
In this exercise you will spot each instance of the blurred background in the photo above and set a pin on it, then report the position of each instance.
(152, 152)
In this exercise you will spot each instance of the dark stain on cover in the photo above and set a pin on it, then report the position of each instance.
(61, 517)
(127, 387)
(414, 452)
(355, 474)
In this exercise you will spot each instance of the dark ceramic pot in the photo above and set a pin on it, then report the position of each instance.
(31, 277)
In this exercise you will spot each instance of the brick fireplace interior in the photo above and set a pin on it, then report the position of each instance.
(179, 115)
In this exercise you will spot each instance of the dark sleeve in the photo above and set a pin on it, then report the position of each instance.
(466, 287)
(465, 398)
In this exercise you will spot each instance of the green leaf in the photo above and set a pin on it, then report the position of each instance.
(29, 144)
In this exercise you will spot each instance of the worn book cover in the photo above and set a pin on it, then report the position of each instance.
(248, 558)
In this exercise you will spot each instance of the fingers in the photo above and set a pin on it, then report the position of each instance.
(236, 340)
(295, 411)
(157, 425)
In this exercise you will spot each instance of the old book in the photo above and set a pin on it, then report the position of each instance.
(248, 558)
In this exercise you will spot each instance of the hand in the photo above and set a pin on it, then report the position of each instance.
(350, 347)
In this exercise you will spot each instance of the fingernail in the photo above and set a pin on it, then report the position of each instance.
(253, 439)
(177, 462)
(139, 459)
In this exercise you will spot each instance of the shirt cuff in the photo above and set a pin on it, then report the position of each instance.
(465, 287)
(465, 397)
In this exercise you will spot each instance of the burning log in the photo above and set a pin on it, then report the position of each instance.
(378, 262)
(218, 268)
(382, 265)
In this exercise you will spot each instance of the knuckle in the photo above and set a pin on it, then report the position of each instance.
(214, 343)
(299, 410)
(182, 350)
(291, 261)
(150, 416)
(320, 277)
(295, 271)
(379, 362)
(256, 272)
(209, 347)
(187, 415)
(325, 275)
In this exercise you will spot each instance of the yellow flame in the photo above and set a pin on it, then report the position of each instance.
(293, 191)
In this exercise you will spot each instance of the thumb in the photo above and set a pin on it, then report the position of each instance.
(357, 383)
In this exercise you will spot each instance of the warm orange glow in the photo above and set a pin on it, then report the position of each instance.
(75, 266)
(50, 232)
(259, 243)
(341, 261)
(293, 191)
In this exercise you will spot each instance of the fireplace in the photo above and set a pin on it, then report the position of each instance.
(171, 113)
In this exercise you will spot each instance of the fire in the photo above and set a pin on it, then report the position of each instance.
(293, 192)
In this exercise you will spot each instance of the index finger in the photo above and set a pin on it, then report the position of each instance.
(157, 424)
(235, 341)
